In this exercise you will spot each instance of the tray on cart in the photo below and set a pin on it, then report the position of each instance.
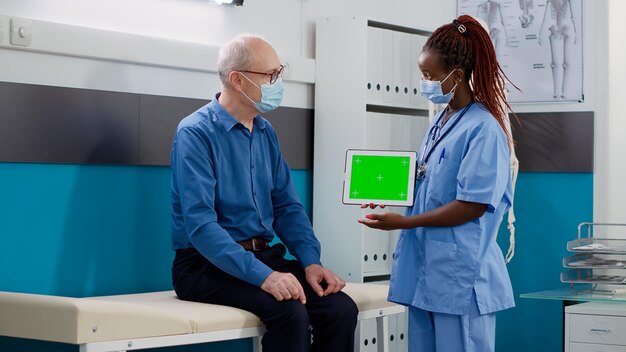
(597, 245)
(595, 261)
(586, 276)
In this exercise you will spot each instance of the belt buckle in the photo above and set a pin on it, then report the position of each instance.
(254, 247)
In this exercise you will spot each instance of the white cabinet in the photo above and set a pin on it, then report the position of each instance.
(397, 335)
(595, 327)
(366, 97)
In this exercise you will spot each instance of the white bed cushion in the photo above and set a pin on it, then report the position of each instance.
(202, 317)
(81, 320)
(72, 320)
(368, 296)
(209, 317)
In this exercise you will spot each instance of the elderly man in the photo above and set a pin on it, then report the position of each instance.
(231, 192)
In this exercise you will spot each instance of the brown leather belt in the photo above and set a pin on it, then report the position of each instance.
(253, 244)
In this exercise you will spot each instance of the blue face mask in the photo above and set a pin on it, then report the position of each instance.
(432, 90)
(271, 96)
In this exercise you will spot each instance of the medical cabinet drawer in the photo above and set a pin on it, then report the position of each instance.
(600, 329)
(585, 347)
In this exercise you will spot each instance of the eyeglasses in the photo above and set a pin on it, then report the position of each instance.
(273, 75)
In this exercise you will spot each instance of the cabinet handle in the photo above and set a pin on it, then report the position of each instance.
(600, 330)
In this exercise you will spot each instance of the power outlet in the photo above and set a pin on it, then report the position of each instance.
(21, 31)
(287, 70)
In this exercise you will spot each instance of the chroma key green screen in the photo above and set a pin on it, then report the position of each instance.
(380, 177)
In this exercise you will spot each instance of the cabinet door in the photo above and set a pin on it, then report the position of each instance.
(387, 81)
(370, 247)
(367, 335)
(401, 68)
(416, 99)
(394, 132)
(586, 347)
(393, 332)
(402, 335)
(375, 65)
(375, 248)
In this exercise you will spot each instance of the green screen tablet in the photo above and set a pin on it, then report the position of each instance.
(379, 177)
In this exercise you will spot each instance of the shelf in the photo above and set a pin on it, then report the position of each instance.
(586, 276)
(594, 261)
(597, 245)
(592, 253)
(580, 295)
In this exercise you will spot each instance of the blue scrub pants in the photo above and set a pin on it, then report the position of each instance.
(430, 331)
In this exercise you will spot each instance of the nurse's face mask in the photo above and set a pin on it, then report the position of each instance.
(271, 93)
(433, 92)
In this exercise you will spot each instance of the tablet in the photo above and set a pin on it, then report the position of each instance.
(379, 177)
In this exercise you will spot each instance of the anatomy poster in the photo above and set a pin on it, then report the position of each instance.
(538, 44)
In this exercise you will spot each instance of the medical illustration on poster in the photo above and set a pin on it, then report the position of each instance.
(538, 44)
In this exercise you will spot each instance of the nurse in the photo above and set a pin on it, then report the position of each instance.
(448, 268)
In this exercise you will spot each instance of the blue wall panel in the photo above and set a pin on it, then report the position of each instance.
(549, 207)
(85, 230)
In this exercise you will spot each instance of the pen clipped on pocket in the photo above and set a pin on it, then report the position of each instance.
(443, 155)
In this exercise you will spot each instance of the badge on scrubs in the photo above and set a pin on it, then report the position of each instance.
(421, 171)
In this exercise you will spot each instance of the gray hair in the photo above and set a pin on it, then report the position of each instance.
(235, 55)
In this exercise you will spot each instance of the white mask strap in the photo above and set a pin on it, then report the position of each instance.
(249, 80)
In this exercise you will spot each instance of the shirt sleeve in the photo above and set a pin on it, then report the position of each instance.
(193, 169)
(291, 223)
(484, 171)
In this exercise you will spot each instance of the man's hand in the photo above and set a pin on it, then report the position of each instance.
(283, 286)
(316, 274)
(387, 221)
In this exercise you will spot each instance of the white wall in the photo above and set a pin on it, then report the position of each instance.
(610, 178)
(289, 25)
(188, 20)
(422, 14)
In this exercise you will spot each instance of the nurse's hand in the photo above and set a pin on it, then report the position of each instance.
(386, 221)
(372, 206)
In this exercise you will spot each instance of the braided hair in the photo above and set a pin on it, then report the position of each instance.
(465, 44)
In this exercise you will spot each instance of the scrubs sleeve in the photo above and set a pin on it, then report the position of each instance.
(484, 171)
(193, 166)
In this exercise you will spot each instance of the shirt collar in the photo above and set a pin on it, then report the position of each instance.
(227, 120)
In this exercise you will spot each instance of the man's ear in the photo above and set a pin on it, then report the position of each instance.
(235, 80)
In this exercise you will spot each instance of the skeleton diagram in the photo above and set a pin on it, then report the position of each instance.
(558, 18)
(489, 11)
(526, 18)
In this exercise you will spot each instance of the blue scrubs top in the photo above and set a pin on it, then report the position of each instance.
(436, 268)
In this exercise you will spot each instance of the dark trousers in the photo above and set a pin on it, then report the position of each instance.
(333, 318)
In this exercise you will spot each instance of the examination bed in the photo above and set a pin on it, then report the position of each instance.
(155, 319)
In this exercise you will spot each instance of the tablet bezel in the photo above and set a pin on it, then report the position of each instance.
(348, 173)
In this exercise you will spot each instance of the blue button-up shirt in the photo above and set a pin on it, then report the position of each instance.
(230, 184)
